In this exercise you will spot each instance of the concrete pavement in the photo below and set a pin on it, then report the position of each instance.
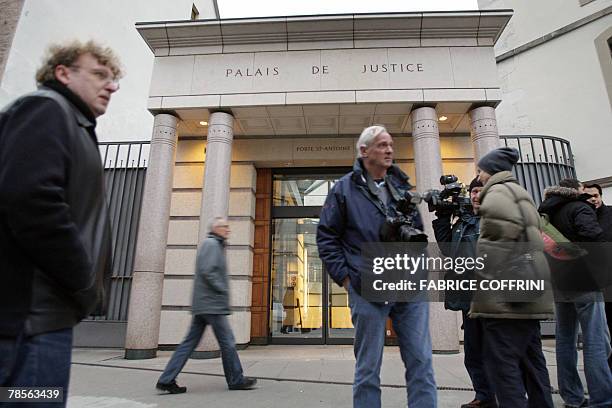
(289, 376)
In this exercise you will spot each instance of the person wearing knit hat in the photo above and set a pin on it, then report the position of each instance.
(496, 161)
(476, 182)
(501, 159)
(511, 331)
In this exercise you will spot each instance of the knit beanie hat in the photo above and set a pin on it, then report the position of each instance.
(497, 160)
(475, 183)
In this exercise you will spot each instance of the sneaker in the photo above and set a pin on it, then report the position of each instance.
(246, 384)
(172, 388)
(480, 404)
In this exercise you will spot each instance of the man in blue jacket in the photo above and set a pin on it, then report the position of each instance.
(353, 213)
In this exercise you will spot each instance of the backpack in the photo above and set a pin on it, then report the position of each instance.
(556, 245)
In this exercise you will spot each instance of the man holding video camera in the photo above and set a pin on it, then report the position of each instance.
(355, 210)
(459, 240)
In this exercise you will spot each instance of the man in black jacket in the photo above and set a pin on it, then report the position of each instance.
(604, 217)
(54, 229)
(578, 302)
(462, 236)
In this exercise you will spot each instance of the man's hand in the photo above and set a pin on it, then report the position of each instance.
(346, 282)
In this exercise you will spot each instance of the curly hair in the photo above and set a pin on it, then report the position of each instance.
(67, 54)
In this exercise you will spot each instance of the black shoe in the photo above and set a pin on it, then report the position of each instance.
(585, 403)
(246, 384)
(480, 404)
(172, 388)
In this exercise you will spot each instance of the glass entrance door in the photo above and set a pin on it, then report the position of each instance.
(306, 306)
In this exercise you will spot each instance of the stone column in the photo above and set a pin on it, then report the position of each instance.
(428, 163)
(215, 195)
(148, 278)
(483, 131)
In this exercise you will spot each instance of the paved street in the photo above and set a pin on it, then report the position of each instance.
(289, 376)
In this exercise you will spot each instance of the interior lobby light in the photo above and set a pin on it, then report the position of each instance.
(203, 123)
(442, 118)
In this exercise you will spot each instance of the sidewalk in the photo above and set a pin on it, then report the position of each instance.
(289, 376)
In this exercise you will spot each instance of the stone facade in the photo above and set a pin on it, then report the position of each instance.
(11, 11)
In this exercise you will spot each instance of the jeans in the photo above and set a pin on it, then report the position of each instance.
(515, 364)
(229, 356)
(411, 323)
(473, 360)
(588, 311)
(42, 360)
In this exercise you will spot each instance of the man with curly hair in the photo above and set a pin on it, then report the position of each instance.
(54, 228)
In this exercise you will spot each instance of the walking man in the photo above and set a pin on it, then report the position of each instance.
(353, 213)
(210, 305)
(54, 230)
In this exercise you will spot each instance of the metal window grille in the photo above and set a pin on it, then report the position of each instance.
(125, 166)
(544, 161)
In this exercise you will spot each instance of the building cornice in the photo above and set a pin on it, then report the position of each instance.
(477, 28)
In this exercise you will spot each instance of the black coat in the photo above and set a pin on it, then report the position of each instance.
(571, 215)
(457, 240)
(577, 221)
(54, 228)
(604, 216)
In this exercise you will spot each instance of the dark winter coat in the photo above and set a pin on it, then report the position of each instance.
(571, 215)
(352, 215)
(54, 229)
(604, 217)
(211, 285)
(458, 240)
(577, 221)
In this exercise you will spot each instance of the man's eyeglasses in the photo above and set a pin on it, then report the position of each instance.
(100, 74)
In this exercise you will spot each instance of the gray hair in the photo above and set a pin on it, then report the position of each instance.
(215, 222)
(368, 135)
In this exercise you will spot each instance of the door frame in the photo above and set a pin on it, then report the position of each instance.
(295, 213)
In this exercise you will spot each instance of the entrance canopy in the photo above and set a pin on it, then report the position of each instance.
(330, 75)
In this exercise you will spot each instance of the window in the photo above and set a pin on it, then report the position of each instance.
(603, 45)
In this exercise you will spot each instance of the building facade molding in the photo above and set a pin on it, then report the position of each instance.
(339, 31)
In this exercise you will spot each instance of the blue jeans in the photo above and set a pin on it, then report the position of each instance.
(473, 333)
(588, 311)
(411, 323)
(229, 356)
(42, 360)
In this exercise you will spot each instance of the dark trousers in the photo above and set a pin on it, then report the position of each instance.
(609, 319)
(473, 360)
(229, 356)
(42, 360)
(515, 363)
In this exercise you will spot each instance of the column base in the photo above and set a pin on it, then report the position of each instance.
(133, 354)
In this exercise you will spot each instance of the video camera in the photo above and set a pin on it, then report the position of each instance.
(453, 199)
(400, 228)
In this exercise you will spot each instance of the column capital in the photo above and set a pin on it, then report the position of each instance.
(483, 130)
(221, 118)
(425, 123)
